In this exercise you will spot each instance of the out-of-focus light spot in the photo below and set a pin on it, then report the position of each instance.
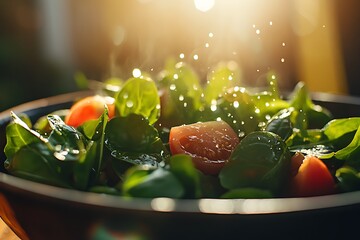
(257, 31)
(136, 72)
(172, 87)
(211, 35)
(119, 35)
(204, 5)
(176, 76)
(129, 104)
(163, 204)
(273, 77)
(253, 25)
(207, 45)
(282, 60)
(219, 207)
(270, 23)
(283, 44)
(236, 104)
(196, 57)
(182, 56)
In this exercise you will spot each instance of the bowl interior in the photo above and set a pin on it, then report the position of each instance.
(101, 210)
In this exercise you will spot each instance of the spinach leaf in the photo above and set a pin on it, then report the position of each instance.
(351, 153)
(139, 96)
(36, 163)
(132, 141)
(150, 184)
(235, 108)
(316, 116)
(223, 77)
(281, 124)
(337, 128)
(183, 168)
(247, 193)
(349, 179)
(261, 160)
(18, 135)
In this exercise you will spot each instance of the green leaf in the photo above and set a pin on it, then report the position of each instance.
(18, 135)
(349, 179)
(36, 163)
(139, 96)
(247, 193)
(261, 160)
(224, 76)
(281, 124)
(152, 184)
(316, 116)
(339, 127)
(182, 167)
(132, 134)
(351, 153)
(67, 143)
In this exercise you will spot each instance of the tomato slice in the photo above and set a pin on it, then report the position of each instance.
(89, 108)
(210, 144)
(313, 179)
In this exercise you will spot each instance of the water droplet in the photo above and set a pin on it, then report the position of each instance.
(218, 119)
(172, 87)
(213, 108)
(241, 134)
(261, 124)
(176, 76)
(129, 104)
(136, 72)
(182, 56)
(236, 104)
(181, 98)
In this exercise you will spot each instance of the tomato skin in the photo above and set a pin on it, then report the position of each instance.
(313, 179)
(89, 108)
(210, 144)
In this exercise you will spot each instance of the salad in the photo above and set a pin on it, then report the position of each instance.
(178, 137)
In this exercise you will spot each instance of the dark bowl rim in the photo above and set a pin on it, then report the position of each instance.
(209, 206)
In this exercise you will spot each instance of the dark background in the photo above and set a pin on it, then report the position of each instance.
(28, 70)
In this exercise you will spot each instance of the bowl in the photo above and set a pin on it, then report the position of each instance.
(38, 211)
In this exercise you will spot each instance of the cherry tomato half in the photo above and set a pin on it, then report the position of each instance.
(210, 144)
(88, 108)
(313, 179)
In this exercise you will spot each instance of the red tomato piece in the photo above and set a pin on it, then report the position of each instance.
(313, 179)
(210, 144)
(89, 108)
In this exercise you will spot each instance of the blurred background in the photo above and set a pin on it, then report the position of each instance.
(43, 43)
